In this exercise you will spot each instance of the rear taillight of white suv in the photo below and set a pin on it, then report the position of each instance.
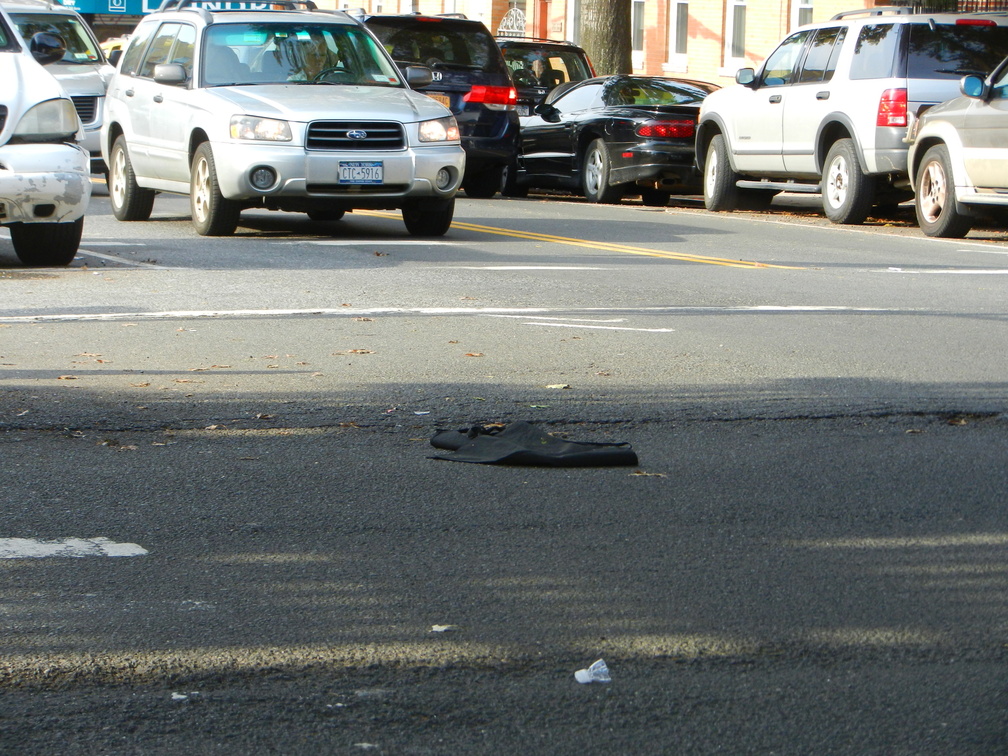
(892, 108)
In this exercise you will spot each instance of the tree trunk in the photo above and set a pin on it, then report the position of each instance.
(606, 35)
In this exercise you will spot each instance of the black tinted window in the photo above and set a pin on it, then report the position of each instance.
(439, 44)
(875, 52)
(953, 51)
(820, 62)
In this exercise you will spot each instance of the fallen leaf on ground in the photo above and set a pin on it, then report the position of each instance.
(558, 386)
(474, 354)
(642, 474)
(67, 378)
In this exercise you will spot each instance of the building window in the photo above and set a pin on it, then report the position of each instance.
(678, 34)
(637, 24)
(801, 13)
(735, 31)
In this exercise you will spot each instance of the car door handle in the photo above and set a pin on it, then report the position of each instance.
(822, 95)
(128, 93)
(158, 98)
(775, 99)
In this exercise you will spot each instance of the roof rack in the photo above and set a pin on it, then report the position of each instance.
(237, 5)
(536, 39)
(881, 10)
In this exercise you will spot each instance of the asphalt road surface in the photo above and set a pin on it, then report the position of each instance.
(222, 531)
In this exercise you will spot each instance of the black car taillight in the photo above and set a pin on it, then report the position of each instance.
(495, 98)
(666, 129)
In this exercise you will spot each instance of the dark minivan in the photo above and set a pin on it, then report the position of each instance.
(470, 78)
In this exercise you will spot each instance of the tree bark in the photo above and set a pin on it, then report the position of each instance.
(606, 35)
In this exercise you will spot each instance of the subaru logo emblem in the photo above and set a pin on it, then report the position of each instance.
(357, 134)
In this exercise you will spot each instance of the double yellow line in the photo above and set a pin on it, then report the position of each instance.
(604, 246)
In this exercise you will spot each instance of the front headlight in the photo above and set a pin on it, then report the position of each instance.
(265, 129)
(49, 121)
(439, 130)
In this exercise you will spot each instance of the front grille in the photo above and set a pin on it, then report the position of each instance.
(356, 188)
(335, 135)
(87, 108)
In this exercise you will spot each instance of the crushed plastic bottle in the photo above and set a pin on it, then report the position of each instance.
(597, 672)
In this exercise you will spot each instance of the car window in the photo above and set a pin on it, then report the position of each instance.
(138, 43)
(579, 98)
(159, 49)
(549, 68)
(875, 52)
(184, 50)
(652, 92)
(439, 44)
(284, 52)
(820, 61)
(999, 90)
(6, 38)
(80, 48)
(951, 51)
(779, 67)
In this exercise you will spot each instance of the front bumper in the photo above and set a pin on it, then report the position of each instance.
(43, 183)
(408, 173)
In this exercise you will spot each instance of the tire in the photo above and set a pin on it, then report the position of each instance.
(47, 244)
(595, 169)
(484, 184)
(847, 193)
(129, 201)
(720, 193)
(509, 182)
(655, 197)
(212, 215)
(428, 217)
(326, 216)
(936, 203)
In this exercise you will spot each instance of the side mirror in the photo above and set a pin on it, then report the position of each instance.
(746, 77)
(47, 48)
(170, 73)
(972, 86)
(548, 113)
(418, 76)
(114, 57)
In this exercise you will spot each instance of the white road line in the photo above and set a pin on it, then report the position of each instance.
(33, 548)
(369, 243)
(124, 261)
(948, 272)
(524, 267)
(603, 328)
(368, 311)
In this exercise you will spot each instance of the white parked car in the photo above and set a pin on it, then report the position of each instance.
(83, 71)
(288, 109)
(959, 156)
(44, 176)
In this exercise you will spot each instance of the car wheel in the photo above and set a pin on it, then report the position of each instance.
(326, 216)
(484, 184)
(655, 197)
(129, 202)
(936, 203)
(46, 244)
(595, 175)
(509, 182)
(719, 190)
(847, 193)
(212, 214)
(429, 217)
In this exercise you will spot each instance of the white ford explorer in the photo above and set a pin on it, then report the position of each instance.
(288, 109)
(44, 174)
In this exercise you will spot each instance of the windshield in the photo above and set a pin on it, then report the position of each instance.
(655, 92)
(80, 48)
(438, 43)
(281, 53)
(548, 67)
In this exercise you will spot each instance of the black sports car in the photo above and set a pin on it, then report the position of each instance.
(612, 136)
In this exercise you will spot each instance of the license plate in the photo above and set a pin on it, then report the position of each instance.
(361, 172)
(443, 99)
(523, 110)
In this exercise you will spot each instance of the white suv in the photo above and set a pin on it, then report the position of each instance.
(83, 70)
(828, 110)
(44, 179)
(289, 109)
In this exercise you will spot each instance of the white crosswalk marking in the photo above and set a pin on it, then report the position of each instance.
(29, 548)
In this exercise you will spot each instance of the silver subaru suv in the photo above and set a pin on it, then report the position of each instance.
(288, 109)
(828, 111)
